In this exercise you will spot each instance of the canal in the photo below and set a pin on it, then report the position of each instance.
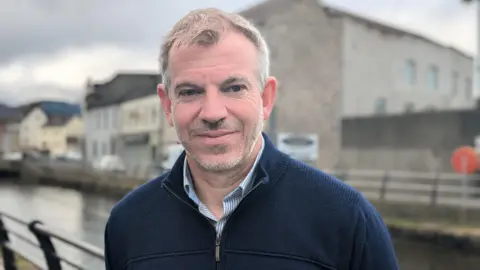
(84, 216)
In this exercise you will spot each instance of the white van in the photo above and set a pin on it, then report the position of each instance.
(173, 151)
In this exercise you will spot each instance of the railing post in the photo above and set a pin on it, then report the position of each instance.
(383, 189)
(7, 254)
(46, 245)
(434, 196)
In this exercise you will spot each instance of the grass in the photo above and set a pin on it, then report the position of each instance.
(23, 264)
(469, 230)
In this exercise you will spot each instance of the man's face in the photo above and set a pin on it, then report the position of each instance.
(215, 101)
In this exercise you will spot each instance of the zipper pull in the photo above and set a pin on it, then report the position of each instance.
(217, 249)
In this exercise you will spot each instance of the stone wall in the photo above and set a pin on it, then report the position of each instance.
(412, 142)
(306, 58)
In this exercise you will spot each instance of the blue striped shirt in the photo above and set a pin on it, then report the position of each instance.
(230, 202)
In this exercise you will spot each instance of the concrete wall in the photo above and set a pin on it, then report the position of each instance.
(306, 58)
(414, 142)
(375, 66)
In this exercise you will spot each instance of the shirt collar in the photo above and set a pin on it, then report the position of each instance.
(244, 185)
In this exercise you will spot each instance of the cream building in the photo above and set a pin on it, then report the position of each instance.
(63, 135)
(144, 130)
(57, 134)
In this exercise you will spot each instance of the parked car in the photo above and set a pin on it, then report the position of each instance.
(110, 163)
(13, 156)
(172, 153)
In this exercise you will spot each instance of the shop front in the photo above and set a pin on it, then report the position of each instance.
(137, 149)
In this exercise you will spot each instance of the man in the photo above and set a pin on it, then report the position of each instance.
(232, 200)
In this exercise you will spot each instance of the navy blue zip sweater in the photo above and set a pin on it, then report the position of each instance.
(295, 218)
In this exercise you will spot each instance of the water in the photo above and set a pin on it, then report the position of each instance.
(84, 216)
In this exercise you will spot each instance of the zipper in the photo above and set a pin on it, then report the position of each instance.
(218, 238)
(217, 249)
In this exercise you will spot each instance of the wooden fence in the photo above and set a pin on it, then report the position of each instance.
(434, 189)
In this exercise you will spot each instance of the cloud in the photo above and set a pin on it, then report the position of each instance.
(446, 21)
(63, 75)
(45, 26)
(48, 48)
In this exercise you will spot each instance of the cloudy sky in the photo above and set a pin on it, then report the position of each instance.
(49, 47)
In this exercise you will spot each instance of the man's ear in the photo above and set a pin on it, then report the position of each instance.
(268, 96)
(166, 103)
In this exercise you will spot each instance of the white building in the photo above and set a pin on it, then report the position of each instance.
(390, 70)
(101, 130)
(102, 110)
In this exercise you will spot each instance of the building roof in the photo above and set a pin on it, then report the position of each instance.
(50, 108)
(258, 13)
(123, 87)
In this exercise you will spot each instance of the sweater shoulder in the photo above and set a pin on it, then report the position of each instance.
(325, 188)
(139, 200)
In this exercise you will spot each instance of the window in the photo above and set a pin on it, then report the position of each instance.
(381, 106)
(105, 119)
(154, 115)
(98, 119)
(105, 148)
(432, 77)
(94, 149)
(410, 72)
(113, 146)
(468, 88)
(114, 118)
(154, 153)
(454, 83)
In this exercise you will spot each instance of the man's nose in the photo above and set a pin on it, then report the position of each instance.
(213, 107)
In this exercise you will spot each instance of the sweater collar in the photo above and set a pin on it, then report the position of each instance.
(271, 165)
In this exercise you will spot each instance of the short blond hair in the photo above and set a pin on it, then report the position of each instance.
(205, 27)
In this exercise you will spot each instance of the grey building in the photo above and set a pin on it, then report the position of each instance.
(331, 64)
(390, 71)
(102, 116)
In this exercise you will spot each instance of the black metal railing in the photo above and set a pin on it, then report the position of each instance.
(44, 235)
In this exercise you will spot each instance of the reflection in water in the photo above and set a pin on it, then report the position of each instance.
(80, 215)
(84, 216)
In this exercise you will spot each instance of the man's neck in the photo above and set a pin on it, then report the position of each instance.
(212, 187)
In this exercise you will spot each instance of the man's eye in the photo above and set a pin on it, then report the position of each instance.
(235, 88)
(188, 92)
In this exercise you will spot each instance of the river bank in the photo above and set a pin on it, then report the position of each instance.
(465, 238)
